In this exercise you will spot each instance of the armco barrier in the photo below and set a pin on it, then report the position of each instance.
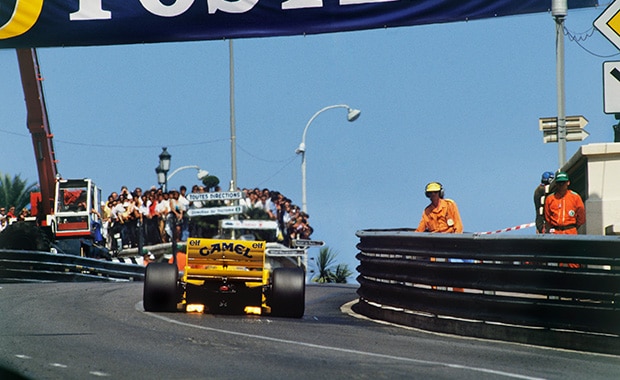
(29, 266)
(548, 290)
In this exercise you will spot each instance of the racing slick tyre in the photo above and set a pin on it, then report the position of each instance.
(160, 287)
(288, 292)
(24, 236)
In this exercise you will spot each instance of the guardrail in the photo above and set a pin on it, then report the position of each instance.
(548, 290)
(29, 266)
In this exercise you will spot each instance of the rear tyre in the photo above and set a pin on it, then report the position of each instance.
(288, 292)
(160, 287)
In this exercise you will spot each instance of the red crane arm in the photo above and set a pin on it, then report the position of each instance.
(38, 126)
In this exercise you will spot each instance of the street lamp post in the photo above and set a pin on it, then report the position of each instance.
(162, 174)
(163, 168)
(200, 175)
(352, 115)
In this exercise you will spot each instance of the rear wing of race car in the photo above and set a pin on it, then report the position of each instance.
(222, 259)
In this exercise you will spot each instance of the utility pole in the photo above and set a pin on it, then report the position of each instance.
(559, 9)
(233, 133)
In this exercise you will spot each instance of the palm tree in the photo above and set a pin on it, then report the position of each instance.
(210, 182)
(15, 192)
(324, 264)
(342, 273)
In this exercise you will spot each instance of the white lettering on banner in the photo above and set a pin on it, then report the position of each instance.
(90, 10)
(175, 9)
(353, 2)
(93, 9)
(214, 211)
(237, 6)
(299, 4)
(217, 196)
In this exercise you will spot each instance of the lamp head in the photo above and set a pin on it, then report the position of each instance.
(353, 114)
(301, 149)
(202, 174)
(164, 160)
(161, 175)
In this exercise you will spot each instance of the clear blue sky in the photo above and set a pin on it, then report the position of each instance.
(456, 103)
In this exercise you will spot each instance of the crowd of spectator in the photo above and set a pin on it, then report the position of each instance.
(157, 217)
(9, 217)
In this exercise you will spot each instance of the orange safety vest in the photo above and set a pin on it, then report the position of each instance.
(443, 218)
(564, 215)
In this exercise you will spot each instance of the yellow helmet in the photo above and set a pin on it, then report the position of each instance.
(433, 187)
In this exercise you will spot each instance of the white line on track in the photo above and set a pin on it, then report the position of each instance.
(99, 374)
(139, 307)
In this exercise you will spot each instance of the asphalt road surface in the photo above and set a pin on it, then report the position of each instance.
(100, 330)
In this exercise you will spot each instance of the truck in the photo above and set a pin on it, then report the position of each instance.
(231, 273)
(64, 211)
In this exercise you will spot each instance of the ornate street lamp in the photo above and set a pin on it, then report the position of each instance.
(163, 168)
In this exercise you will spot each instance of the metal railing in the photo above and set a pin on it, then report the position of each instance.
(29, 266)
(549, 290)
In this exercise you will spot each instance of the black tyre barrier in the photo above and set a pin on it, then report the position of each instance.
(22, 236)
(548, 290)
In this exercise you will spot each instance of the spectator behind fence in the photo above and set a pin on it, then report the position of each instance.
(153, 216)
(4, 220)
(540, 194)
(441, 215)
(564, 209)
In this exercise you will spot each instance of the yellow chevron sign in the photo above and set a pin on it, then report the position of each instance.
(608, 23)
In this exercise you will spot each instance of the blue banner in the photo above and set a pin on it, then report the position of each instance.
(39, 23)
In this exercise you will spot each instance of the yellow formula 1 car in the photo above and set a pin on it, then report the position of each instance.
(225, 276)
